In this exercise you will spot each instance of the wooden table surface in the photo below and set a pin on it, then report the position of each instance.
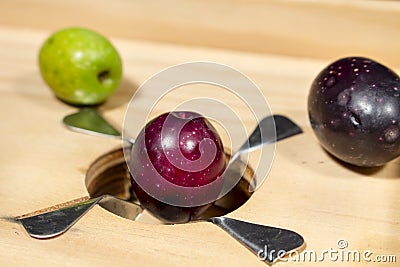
(281, 46)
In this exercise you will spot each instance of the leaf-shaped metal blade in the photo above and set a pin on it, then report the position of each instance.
(270, 129)
(56, 222)
(285, 127)
(89, 121)
(268, 243)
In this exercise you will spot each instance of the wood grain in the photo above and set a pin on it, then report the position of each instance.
(310, 29)
(44, 164)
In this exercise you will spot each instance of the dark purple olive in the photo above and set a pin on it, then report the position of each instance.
(176, 151)
(354, 110)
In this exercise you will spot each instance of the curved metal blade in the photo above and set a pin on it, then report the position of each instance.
(264, 133)
(268, 243)
(56, 222)
(87, 120)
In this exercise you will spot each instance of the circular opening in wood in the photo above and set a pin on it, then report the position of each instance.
(109, 175)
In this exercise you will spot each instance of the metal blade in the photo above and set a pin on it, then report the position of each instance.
(268, 243)
(87, 120)
(270, 129)
(56, 222)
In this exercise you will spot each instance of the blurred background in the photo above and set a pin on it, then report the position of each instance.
(305, 29)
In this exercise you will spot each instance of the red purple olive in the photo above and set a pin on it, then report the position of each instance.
(354, 110)
(175, 151)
